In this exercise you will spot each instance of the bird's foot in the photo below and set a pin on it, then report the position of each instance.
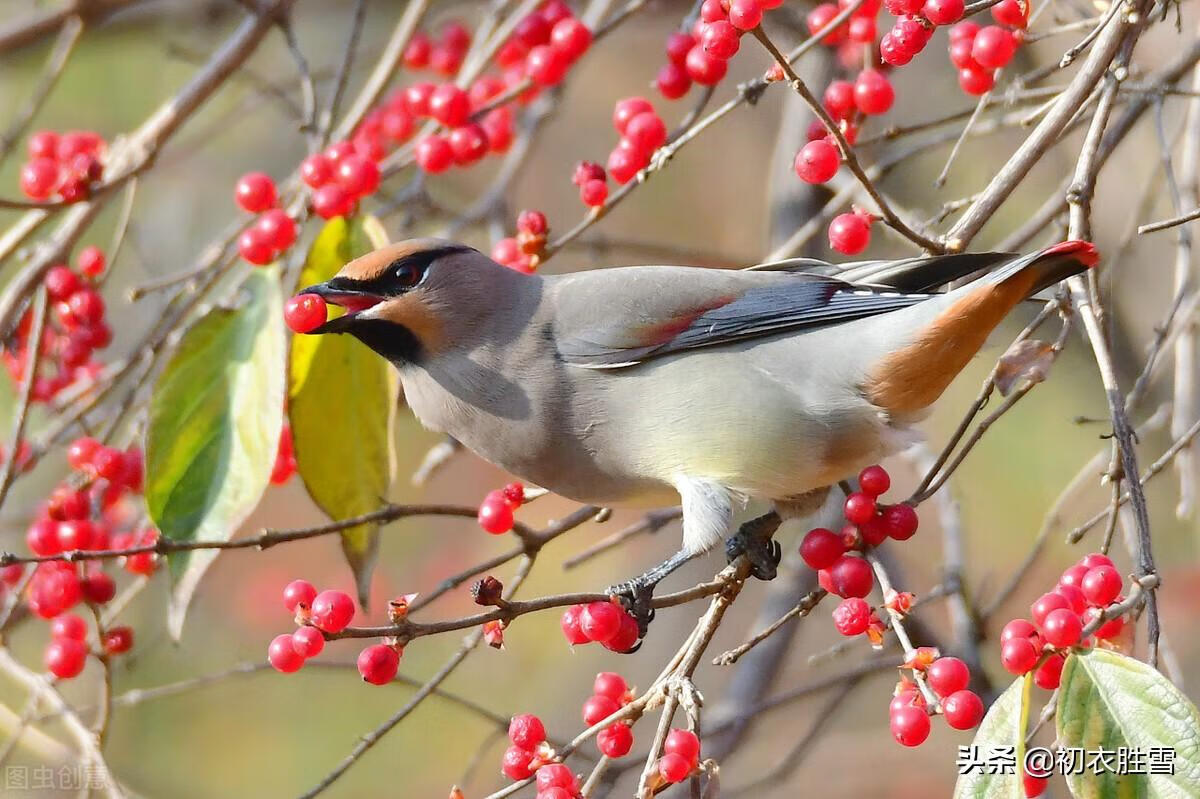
(754, 540)
(636, 596)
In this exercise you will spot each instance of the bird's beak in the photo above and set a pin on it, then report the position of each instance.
(338, 292)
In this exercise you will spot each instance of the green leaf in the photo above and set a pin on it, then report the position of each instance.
(1003, 726)
(215, 418)
(1108, 700)
(342, 407)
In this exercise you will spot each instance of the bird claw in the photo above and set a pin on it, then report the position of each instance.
(753, 539)
(636, 596)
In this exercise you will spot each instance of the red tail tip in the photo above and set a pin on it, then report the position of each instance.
(1083, 251)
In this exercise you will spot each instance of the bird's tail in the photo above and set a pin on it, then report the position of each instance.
(1042, 269)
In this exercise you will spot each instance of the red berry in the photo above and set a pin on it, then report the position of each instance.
(91, 261)
(1018, 628)
(851, 577)
(683, 743)
(98, 588)
(283, 656)
(947, 676)
(42, 144)
(449, 105)
(1102, 585)
(118, 640)
(610, 684)
(1049, 674)
(963, 709)
(1095, 559)
(964, 31)
(646, 132)
(316, 170)
(1074, 576)
(304, 313)
(673, 768)
(332, 611)
(720, 39)
(1033, 786)
(909, 697)
(628, 108)
(976, 81)
(65, 658)
(678, 45)
(468, 143)
(517, 763)
(861, 30)
(993, 47)
(331, 200)
(626, 638)
(42, 538)
(495, 514)
(1045, 604)
(298, 593)
(434, 154)
(600, 621)
(255, 192)
(852, 616)
(1018, 655)
(75, 534)
(821, 548)
(943, 12)
(1075, 598)
(594, 193)
(873, 92)
(745, 14)
(817, 161)
(308, 642)
(416, 54)
(859, 508)
(69, 625)
(901, 521)
(874, 481)
(81, 451)
(255, 247)
(892, 52)
(61, 283)
(850, 233)
(1013, 13)
(713, 10)
(597, 708)
(623, 164)
(673, 81)
(277, 228)
(570, 623)
(1109, 629)
(378, 664)
(358, 176)
(39, 178)
(909, 725)
(615, 740)
(1062, 627)
(526, 731)
(571, 37)
(546, 65)
(704, 68)
(819, 18)
(838, 100)
(556, 775)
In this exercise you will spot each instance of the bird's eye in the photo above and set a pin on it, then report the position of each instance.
(408, 275)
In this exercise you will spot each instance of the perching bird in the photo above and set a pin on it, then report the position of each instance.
(648, 385)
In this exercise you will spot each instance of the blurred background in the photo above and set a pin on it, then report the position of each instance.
(265, 734)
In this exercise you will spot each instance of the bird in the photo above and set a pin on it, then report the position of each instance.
(648, 386)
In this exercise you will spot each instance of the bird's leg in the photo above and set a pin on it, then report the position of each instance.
(637, 593)
(754, 540)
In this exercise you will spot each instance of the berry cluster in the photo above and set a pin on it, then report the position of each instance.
(606, 623)
(701, 55)
(496, 510)
(523, 252)
(610, 693)
(947, 678)
(66, 165)
(66, 653)
(979, 52)
(1059, 618)
(642, 131)
(835, 556)
(74, 331)
(530, 753)
(273, 231)
(680, 757)
(304, 313)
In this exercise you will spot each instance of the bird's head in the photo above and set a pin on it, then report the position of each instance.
(409, 300)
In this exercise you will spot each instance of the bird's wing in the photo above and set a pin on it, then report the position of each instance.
(620, 317)
(909, 275)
